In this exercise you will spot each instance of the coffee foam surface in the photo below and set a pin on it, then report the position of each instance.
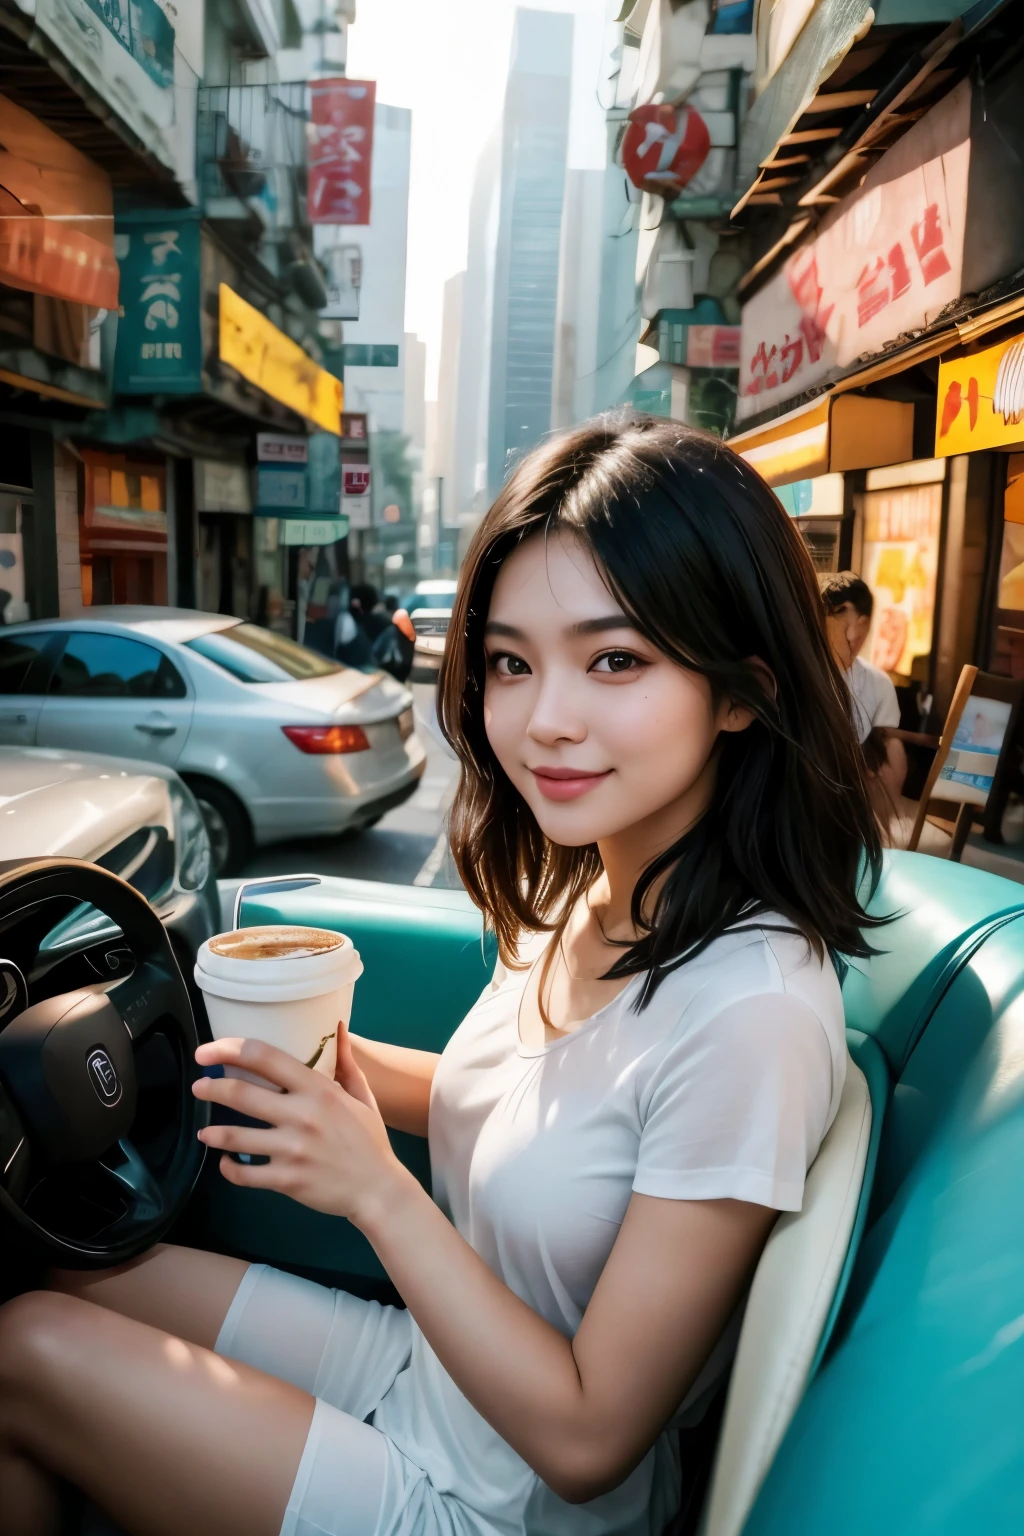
(275, 943)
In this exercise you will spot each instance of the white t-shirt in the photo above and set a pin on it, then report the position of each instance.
(874, 698)
(722, 1087)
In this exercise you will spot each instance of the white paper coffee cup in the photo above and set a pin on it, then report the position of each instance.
(294, 998)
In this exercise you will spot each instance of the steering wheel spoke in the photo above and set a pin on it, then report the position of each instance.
(146, 996)
(15, 1151)
(124, 1164)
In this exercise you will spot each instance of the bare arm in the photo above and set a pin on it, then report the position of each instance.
(399, 1079)
(581, 1412)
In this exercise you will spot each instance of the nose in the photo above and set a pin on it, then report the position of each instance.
(556, 715)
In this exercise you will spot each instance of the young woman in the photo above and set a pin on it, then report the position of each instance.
(662, 815)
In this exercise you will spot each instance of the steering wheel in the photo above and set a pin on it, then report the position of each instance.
(98, 1147)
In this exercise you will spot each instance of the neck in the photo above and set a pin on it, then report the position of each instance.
(626, 855)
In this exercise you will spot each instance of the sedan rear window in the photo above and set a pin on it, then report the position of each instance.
(256, 655)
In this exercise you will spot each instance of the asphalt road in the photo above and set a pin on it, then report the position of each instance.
(407, 847)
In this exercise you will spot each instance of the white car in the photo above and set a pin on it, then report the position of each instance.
(138, 821)
(274, 740)
(430, 609)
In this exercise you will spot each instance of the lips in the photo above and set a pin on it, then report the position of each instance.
(567, 783)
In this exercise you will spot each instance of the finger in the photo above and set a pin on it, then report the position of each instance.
(253, 1175)
(256, 1056)
(349, 1075)
(246, 1098)
(242, 1138)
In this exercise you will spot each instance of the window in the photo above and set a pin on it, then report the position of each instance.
(112, 667)
(256, 655)
(17, 653)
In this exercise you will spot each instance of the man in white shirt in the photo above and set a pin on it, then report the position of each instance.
(874, 708)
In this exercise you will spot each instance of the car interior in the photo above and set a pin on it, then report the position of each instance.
(880, 1365)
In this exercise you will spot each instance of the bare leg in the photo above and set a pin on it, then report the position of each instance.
(168, 1438)
(184, 1291)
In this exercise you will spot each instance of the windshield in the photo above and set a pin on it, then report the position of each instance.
(256, 655)
(429, 600)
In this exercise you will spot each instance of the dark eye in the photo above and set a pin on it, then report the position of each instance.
(506, 665)
(617, 661)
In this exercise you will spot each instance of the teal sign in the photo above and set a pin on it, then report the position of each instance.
(357, 354)
(159, 350)
(305, 490)
(144, 30)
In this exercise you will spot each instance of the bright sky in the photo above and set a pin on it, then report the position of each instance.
(447, 60)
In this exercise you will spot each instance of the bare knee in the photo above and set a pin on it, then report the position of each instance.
(35, 1332)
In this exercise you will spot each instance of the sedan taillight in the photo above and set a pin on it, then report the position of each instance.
(327, 740)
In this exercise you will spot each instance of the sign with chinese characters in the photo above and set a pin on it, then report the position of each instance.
(281, 448)
(355, 479)
(888, 260)
(268, 358)
(340, 152)
(158, 342)
(981, 400)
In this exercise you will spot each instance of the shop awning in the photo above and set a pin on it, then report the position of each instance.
(56, 215)
(837, 432)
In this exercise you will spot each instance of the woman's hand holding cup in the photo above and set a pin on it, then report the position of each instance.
(327, 1144)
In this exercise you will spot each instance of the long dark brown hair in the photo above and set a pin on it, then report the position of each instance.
(708, 567)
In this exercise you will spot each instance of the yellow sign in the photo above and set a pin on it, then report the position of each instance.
(273, 362)
(981, 400)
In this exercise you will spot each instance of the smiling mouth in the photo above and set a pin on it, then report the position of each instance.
(566, 783)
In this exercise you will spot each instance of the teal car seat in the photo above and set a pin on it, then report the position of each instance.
(912, 1419)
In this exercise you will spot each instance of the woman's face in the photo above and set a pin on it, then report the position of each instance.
(596, 728)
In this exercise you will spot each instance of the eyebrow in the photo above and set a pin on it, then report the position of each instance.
(584, 627)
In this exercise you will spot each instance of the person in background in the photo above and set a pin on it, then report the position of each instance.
(395, 646)
(351, 645)
(367, 610)
(874, 706)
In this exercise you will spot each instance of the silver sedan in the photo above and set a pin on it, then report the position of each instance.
(274, 740)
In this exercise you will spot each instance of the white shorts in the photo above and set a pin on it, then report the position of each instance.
(346, 1353)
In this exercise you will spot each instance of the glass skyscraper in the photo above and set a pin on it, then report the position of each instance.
(534, 146)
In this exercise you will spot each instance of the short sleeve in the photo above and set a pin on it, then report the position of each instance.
(738, 1106)
(887, 705)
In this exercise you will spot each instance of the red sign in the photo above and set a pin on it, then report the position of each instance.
(664, 148)
(885, 262)
(355, 479)
(340, 151)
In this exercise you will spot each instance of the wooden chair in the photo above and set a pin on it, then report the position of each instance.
(959, 773)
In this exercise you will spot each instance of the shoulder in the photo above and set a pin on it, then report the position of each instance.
(867, 678)
(763, 994)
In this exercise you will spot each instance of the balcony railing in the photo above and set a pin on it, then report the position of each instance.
(251, 152)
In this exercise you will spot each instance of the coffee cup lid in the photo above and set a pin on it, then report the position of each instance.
(307, 974)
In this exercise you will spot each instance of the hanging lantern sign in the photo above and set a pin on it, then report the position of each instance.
(664, 148)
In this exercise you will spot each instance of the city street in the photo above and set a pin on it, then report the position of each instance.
(407, 846)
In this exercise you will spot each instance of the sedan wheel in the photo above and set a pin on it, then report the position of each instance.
(226, 828)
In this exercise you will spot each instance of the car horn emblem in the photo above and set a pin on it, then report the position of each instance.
(103, 1076)
(13, 991)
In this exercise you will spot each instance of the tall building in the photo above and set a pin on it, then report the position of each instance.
(534, 146)
(474, 379)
